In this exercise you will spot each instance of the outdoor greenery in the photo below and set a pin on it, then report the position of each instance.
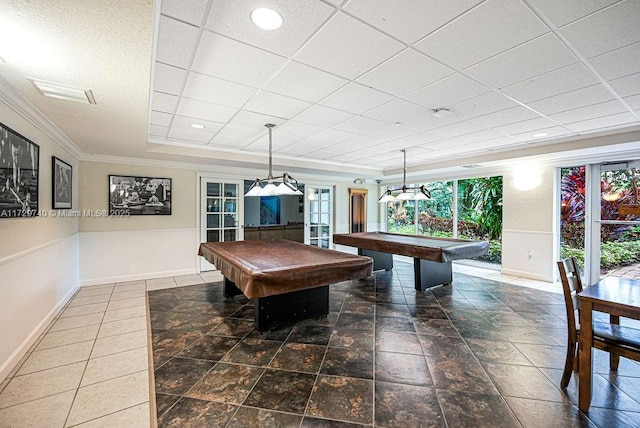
(620, 245)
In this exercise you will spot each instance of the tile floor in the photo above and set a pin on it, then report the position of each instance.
(97, 348)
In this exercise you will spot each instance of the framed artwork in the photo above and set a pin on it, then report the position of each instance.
(61, 184)
(131, 195)
(19, 173)
(269, 210)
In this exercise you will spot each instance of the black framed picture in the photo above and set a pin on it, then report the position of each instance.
(19, 173)
(132, 195)
(61, 184)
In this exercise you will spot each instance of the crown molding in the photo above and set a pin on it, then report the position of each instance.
(15, 101)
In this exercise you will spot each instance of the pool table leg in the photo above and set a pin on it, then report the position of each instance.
(428, 274)
(380, 260)
(229, 288)
(282, 309)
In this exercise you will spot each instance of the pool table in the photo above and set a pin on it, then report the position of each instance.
(432, 256)
(289, 280)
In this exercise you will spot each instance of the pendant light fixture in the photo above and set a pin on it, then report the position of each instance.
(407, 192)
(288, 186)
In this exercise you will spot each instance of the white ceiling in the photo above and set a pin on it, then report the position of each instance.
(348, 83)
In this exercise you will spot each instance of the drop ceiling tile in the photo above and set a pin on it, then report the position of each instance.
(203, 110)
(397, 111)
(180, 129)
(160, 118)
(501, 141)
(409, 21)
(553, 132)
(242, 132)
(191, 11)
(323, 116)
(366, 47)
(176, 41)
(168, 79)
(571, 100)
(628, 85)
(300, 19)
(474, 36)
(459, 128)
(323, 154)
(217, 91)
(276, 105)
(481, 105)
(164, 102)
(602, 123)
(279, 141)
(448, 91)
(623, 17)
(363, 142)
(184, 122)
(299, 129)
(505, 117)
(189, 136)
(589, 112)
(429, 121)
(392, 132)
(404, 73)
(293, 81)
(228, 59)
(557, 82)
(249, 119)
(158, 131)
(360, 125)
(356, 98)
(565, 11)
(634, 103)
(531, 125)
(330, 137)
(618, 63)
(226, 142)
(533, 58)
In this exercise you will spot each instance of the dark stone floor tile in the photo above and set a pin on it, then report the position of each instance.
(230, 383)
(310, 422)
(191, 413)
(160, 360)
(611, 418)
(392, 341)
(427, 312)
(233, 327)
(196, 307)
(395, 324)
(280, 334)
(246, 312)
(460, 374)
(348, 362)
(164, 402)
(549, 356)
(168, 320)
(523, 382)
(407, 406)
(180, 374)
(391, 310)
(313, 335)
(359, 308)
(540, 413)
(255, 352)
(497, 352)
(393, 297)
(452, 347)
(435, 327)
(200, 323)
(475, 410)
(171, 342)
(402, 368)
(526, 334)
(344, 337)
(209, 347)
(259, 418)
(342, 398)
(299, 357)
(356, 321)
(282, 390)
(505, 318)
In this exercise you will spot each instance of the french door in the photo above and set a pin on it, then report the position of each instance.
(318, 230)
(221, 212)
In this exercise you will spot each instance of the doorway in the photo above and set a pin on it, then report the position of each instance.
(318, 230)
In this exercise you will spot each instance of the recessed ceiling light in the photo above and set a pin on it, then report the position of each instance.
(197, 126)
(441, 112)
(540, 134)
(63, 92)
(266, 19)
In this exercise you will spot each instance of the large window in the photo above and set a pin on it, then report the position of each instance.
(476, 213)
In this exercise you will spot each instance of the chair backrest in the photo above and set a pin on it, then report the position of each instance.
(571, 286)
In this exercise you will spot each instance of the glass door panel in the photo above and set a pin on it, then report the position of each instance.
(319, 224)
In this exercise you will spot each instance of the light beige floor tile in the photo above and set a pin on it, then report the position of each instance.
(184, 280)
(161, 286)
(124, 313)
(127, 295)
(78, 301)
(75, 311)
(125, 303)
(126, 283)
(42, 384)
(67, 337)
(115, 365)
(122, 342)
(50, 411)
(56, 357)
(159, 280)
(98, 286)
(97, 291)
(211, 276)
(123, 392)
(140, 285)
(137, 416)
(122, 326)
(75, 322)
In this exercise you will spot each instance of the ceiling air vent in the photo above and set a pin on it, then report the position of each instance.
(64, 92)
(473, 165)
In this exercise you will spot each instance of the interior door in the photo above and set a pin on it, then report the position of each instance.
(318, 216)
(221, 213)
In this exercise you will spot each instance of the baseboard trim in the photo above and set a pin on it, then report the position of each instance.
(12, 363)
(136, 277)
(528, 275)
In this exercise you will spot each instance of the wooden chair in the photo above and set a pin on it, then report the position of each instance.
(610, 337)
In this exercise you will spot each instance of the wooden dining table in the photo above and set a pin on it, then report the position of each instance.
(612, 295)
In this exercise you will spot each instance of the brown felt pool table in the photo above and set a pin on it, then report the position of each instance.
(289, 280)
(432, 256)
